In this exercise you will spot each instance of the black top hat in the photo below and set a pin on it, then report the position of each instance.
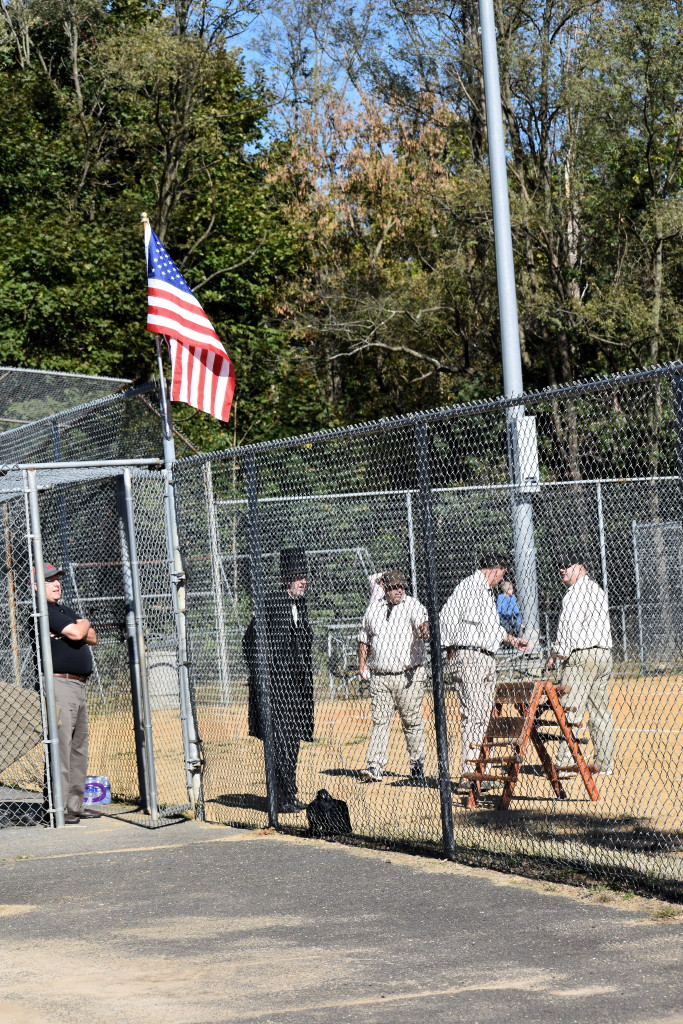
(292, 564)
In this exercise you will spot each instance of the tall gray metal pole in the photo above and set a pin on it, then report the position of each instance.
(43, 640)
(522, 450)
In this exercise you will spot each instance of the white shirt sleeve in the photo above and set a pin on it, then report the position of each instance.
(364, 632)
(419, 616)
(449, 618)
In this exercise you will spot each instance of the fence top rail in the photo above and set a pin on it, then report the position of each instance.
(394, 492)
(84, 409)
(64, 373)
(591, 385)
(83, 464)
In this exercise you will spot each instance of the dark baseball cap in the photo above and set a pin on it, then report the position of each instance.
(50, 571)
(570, 557)
(493, 560)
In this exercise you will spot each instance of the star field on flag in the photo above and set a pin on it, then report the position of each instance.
(202, 374)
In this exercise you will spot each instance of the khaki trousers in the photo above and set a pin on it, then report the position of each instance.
(403, 693)
(587, 674)
(72, 732)
(474, 675)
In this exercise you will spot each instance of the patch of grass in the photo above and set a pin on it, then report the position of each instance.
(664, 913)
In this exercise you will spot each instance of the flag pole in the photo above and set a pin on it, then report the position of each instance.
(191, 744)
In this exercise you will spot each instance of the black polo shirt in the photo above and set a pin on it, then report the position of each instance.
(73, 657)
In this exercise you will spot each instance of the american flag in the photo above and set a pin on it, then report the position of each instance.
(202, 373)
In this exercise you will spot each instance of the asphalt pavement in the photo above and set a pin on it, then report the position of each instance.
(198, 924)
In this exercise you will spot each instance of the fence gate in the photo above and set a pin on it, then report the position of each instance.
(107, 533)
(24, 780)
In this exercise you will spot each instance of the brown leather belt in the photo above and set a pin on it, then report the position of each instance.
(70, 675)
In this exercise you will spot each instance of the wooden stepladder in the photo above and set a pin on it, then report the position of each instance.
(531, 700)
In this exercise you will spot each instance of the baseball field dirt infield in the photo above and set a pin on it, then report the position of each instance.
(638, 816)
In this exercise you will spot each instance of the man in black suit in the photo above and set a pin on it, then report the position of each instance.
(289, 642)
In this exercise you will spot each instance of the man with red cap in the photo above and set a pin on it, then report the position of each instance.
(71, 638)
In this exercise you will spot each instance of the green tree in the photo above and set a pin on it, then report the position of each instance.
(108, 111)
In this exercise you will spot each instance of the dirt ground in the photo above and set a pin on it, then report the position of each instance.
(646, 786)
(643, 798)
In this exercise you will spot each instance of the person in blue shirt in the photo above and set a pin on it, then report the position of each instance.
(508, 610)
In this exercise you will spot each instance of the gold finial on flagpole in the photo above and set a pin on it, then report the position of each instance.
(144, 219)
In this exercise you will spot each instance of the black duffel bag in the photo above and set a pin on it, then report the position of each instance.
(327, 816)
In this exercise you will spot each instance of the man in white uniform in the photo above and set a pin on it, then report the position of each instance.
(391, 655)
(471, 632)
(584, 649)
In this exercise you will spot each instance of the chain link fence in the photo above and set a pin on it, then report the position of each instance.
(491, 756)
(89, 529)
(30, 395)
(536, 726)
(24, 784)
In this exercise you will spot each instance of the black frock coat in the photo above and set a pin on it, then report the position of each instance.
(290, 665)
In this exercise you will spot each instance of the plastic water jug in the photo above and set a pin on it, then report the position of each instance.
(97, 790)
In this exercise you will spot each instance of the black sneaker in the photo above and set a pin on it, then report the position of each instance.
(417, 773)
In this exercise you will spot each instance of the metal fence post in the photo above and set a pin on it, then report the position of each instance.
(137, 654)
(636, 563)
(217, 584)
(677, 395)
(43, 640)
(259, 603)
(11, 596)
(411, 542)
(432, 602)
(603, 545)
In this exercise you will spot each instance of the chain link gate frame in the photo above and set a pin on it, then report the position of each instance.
(91, 528)
(25, 782)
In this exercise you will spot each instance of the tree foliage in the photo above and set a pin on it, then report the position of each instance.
(331, 208)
